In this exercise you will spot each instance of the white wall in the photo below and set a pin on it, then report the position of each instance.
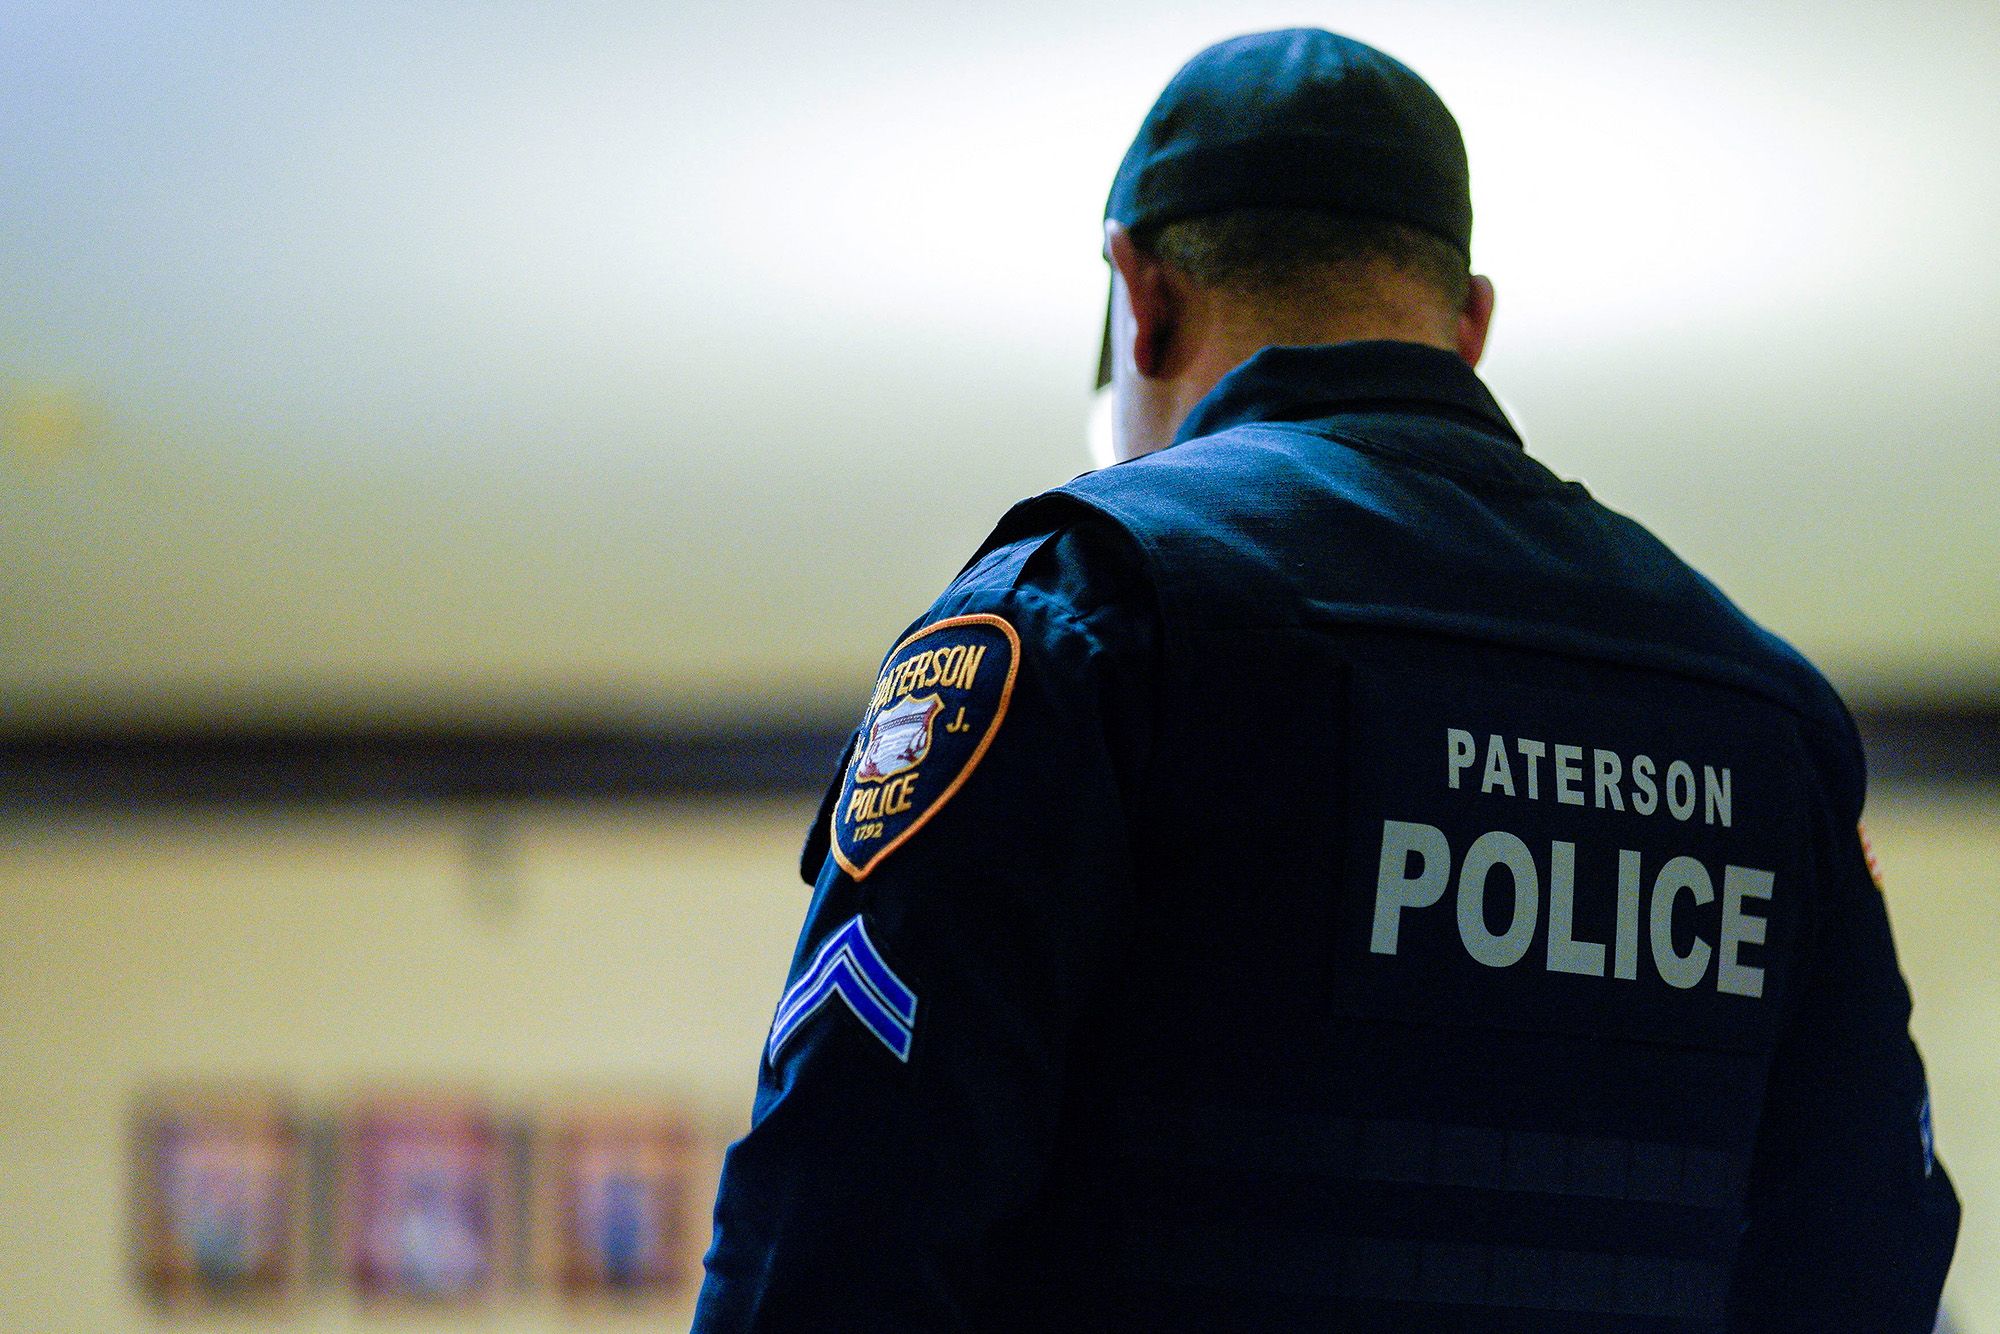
(514, 360)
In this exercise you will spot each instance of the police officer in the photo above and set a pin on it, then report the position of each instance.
(1326, 872)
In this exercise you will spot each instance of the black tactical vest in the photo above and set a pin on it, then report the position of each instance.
(1477, 855)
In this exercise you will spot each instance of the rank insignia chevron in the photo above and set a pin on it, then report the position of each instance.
(849, 966)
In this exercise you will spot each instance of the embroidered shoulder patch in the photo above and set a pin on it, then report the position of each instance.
(935, 710)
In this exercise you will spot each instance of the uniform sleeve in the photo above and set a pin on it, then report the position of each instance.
(909, 1092)
(1851, 1219)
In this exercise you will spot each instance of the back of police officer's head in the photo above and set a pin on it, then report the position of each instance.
(1287, 187)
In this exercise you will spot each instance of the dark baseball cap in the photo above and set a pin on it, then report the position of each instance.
(1299, 118)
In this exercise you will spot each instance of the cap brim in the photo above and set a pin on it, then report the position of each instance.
(1104, 348)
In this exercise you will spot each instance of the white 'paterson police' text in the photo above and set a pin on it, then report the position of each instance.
(1416, 868)
(1607, 782)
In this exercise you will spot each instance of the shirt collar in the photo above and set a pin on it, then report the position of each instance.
(1294, 383)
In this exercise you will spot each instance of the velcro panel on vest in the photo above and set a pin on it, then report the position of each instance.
(1625, 858)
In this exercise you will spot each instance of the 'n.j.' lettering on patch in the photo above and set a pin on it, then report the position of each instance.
(935, 710)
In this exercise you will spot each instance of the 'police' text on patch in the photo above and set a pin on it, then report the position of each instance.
(935, 710)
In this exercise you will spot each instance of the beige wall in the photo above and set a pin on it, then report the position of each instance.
(329, 952)
(1940, 858)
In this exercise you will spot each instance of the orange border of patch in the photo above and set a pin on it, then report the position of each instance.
(860, 873)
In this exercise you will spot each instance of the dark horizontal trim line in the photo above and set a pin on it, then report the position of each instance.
(1935, 742)
(217, 764)
(421, 764)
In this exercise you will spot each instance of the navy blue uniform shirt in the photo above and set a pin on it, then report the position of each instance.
(1333, 874)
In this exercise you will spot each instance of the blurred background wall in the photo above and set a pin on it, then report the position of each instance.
(460, 463)
(610, 947)
(606, 950)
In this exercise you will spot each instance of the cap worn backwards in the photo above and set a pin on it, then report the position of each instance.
(1299, 118)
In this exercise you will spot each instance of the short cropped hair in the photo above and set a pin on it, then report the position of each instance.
(1271, 254)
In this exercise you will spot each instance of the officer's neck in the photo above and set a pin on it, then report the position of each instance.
(1227, 345)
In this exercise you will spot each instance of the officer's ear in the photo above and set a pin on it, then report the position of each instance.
(1475, 317)
(1151, 296)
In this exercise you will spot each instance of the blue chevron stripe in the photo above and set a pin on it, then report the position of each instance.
(902, 1002)
(845, 983)
(851, 940)
(849, 966)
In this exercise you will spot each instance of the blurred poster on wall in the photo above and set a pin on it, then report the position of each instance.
(426, 1196)
(614, 1201)
(219, 1196)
